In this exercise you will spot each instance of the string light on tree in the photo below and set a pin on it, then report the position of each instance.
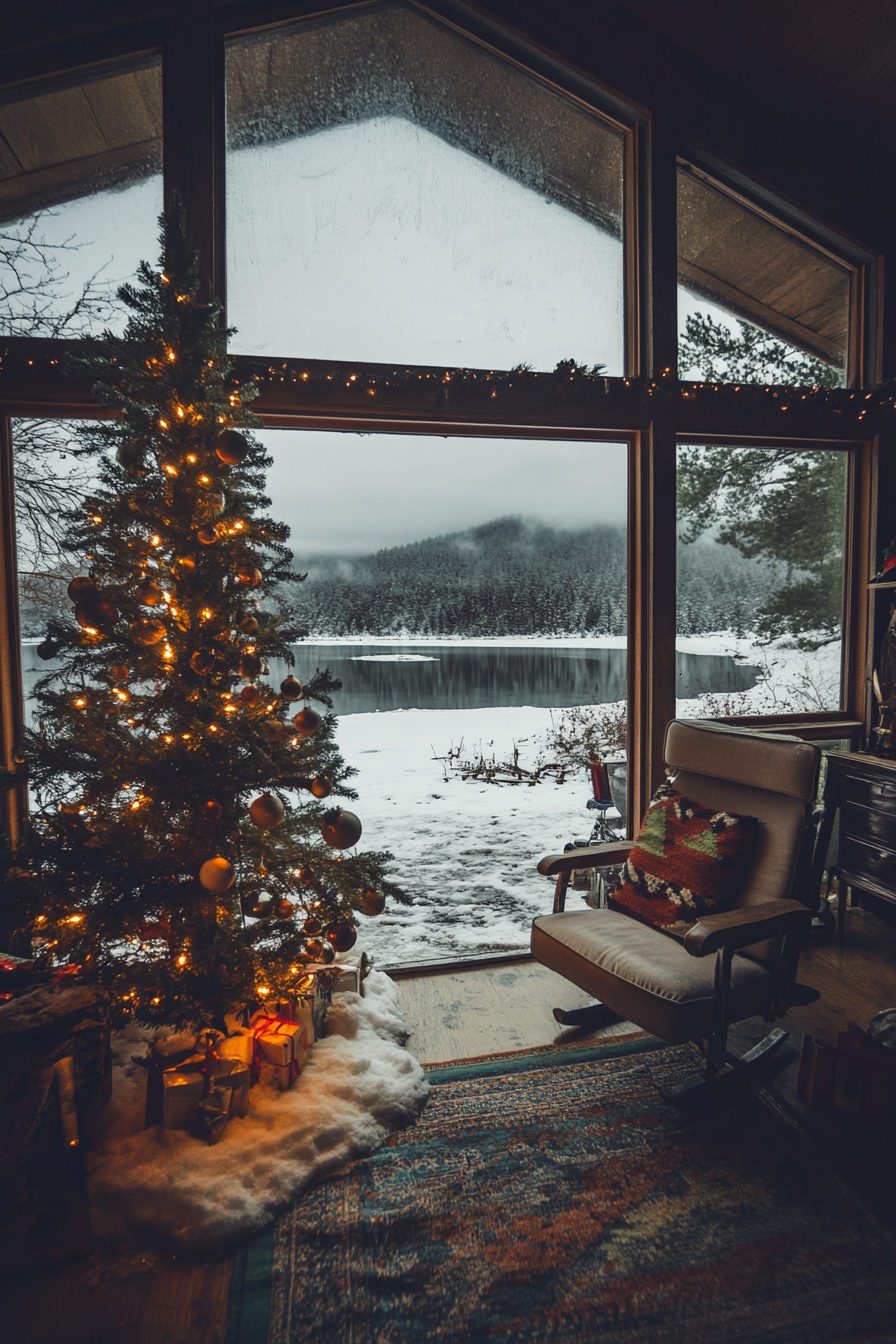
(174, 789)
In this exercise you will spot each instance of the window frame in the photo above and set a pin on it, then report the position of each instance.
(647, 407)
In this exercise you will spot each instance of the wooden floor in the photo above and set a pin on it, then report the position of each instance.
(154, 1299)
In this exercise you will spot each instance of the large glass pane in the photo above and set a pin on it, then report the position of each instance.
(477, 620)
(80, 196)
(760, 578)
(757, 304)
(398, 193)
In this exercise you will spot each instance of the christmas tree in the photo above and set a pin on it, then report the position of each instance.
(185, 847)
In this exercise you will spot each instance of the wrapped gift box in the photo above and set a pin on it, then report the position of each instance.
(239, 1046)
(283, 1046)
(346, 974)
(310, 1008)
(182, 1090)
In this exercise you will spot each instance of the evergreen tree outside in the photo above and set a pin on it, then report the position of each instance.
(184, 847)
(782, 505)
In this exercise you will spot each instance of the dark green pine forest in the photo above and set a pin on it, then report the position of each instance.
(513, 577)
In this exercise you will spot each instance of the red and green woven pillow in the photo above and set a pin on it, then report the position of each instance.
(687, 861)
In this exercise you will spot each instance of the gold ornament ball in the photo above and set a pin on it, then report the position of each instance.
(217, 875)
(267, 812)
(232, 447)
(207, 535)
(321, 787)
(249, 694)
(203, 662)
(96, 611)
(248, 576)
(249, 665)
(372, 903)
(284, 909)
(249, 625)
(340, 829)
(327, 955)
(307, 722)
(147, 631)
(148, 594)
(314, 949)
(341, 937)
(311, 926)
(80, 588)
(120, 672)
(291, 689)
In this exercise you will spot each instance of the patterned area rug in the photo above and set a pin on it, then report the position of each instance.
(565, 1201)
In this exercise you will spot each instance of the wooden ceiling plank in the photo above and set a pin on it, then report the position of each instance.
(9, 164)
(120, 109)
(52, 129)
(710, 286)
(23, 195)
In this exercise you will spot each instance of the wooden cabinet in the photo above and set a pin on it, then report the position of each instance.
(862, 789)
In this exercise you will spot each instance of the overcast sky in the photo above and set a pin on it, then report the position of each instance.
(352, 493)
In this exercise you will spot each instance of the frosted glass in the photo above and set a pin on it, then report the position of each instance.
(379, 242)
(396, 193)
(80, 197)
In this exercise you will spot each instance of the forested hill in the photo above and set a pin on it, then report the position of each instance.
(511, 577)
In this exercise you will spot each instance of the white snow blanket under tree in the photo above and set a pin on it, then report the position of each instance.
(164, 1188)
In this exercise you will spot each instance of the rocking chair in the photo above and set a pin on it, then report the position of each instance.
(727, 967)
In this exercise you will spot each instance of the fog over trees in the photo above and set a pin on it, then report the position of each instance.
(516, 577)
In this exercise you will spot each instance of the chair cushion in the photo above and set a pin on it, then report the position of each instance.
(643, 974)
(687, 860)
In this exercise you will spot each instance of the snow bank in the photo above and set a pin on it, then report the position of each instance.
(464, 851)
(165, 1188)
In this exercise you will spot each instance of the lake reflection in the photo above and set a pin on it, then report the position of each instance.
(465, 676)
(381, 677)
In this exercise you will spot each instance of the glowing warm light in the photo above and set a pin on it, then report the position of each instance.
(80, 703)
(155, 540)
(163, 424)
(155, 1000)
(206, 613)
(230, 709)
(166, 597)
(169, 469)
(180, 412)
(172, 356)
(41, 919)
(182, 960)
(263, 989)
(167, 652)
(213, 727)
(168, 738)
(191, 457)
(74, 919)
(120, 694)
(96, 518)
(186, 736)
(238, 527)
(165, 281)
(205, 480)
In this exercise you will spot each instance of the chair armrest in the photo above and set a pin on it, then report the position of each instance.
(590, 856)
(741, 928)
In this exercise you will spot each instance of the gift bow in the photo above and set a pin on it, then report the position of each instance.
(272, 1026)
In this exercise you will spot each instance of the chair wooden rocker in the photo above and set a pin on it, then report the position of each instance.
(727, 967)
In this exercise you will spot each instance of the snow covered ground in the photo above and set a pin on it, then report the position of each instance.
(466, 851)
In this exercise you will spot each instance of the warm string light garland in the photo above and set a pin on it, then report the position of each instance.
(350, 386)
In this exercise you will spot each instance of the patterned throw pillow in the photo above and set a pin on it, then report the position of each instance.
(687, 861)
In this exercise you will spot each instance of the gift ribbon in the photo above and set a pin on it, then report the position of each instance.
(272, 1026)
